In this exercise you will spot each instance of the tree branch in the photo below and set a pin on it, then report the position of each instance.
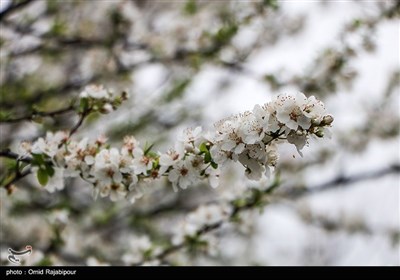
(8, 154)
(15, 5)
(40, 114)
(340, 181)
(79, 123)
(254, 200)
(294, 193)
(18, 176)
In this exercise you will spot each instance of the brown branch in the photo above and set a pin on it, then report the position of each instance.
(15, 5)
(8, 154)
(40, 114)
(59, 44)
(82, 117)
(18, 176)
(63, 89)
(338, 182)
(72, 43)
(345, 224)
(255, 200)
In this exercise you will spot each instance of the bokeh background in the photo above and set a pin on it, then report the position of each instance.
(189, 63)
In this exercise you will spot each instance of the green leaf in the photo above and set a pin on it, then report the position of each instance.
(177, 91)
(239, 203)
(49, 170)
(38, 159)
(147, 150)
(83, 105)
(42, 176)
(58, 28)
(357, 23)
(207, 157)
(52, 6)
(275, 183)
(156, 163)
(272, 4)
(148, 253)
(203, 148)
(10, 163)
(225, 33)
(214, 165)
(152, 154)
(190, 7)
(4, 115)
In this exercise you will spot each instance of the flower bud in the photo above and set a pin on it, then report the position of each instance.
(320, 133)
(124, 95)
(327, 120)
(316, 122)
(299, 132)
(107, 108)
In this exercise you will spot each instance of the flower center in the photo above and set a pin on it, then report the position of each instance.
(145, 160)
(184, 171)
(175, 156)
(110, 172)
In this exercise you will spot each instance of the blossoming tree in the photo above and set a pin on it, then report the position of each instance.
(144, 174)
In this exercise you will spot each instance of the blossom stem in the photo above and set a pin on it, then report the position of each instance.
(79, 123)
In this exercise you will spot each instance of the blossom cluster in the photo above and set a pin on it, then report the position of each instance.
(96, 98)
(250, 138)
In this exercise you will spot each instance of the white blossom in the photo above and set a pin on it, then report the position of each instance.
(94, 91)
(190, 138)
(130, 144)
(213, 177)
(106, 167)
(314, 109)
(56, 182)
(116, 191)
(290, 111)
(250, 138)
(50, 144)
(205, 215)
(137, 247)
(59, 217)
(298, 139)
(141, 162)
(182, 174)
(170, 158)
(220, 156)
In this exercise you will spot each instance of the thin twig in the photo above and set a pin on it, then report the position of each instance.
(18, 176)
(8, 154)
(40, 114)
(79, 123)
(340, 181)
